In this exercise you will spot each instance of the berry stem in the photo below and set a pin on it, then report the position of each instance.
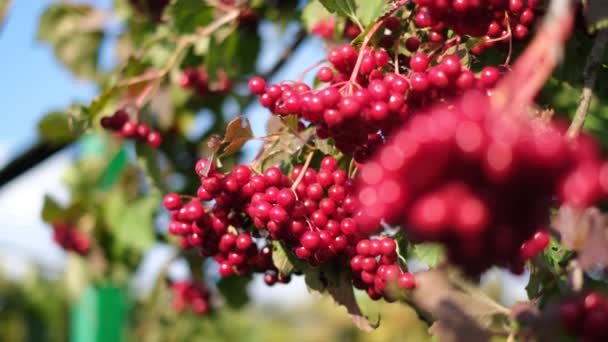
(590, 78)
(368, 37)
(302, 172)
(182, 44)
(307, 70)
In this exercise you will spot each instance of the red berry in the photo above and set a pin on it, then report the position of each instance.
(172, 201)
(406, 281)
(325, 74)
(257, 85)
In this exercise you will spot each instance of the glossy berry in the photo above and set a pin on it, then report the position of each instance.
(257, 85)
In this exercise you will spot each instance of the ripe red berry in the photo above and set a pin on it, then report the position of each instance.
(310, 240)
(325, 74)
(257, 85)
(243, 241)
(406, 281)
(172, 201)
(154, 139)
(419, 62)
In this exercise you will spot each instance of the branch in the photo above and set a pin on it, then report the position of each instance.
(182, 44)
(40, 151)
(28, 159)
(591, 70)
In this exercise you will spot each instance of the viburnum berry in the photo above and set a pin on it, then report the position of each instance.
(119, 122)
(257, 85)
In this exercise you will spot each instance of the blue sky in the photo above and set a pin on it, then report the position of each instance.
(32, 81)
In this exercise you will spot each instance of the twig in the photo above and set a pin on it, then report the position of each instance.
(590, 77)
(182, 44)
(302, 172)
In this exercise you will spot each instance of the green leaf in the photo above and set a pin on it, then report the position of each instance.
(112, 172)
(429, 253)
(187, 15)
(101, 101)
(312, 13)
(131, 222)
(281, 259)
(368, 11)
(147, 158)
(236, 54)
(234, 290)
(75, 33)
(54, 128)
(51, 210)
(345, 8)
(342, 292)
(326, 146)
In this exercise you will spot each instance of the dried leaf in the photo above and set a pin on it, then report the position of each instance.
(584, 231)
(463, 312)
(238, 133)
(342, 292)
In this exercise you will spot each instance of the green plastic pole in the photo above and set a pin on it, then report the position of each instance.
(100, 315)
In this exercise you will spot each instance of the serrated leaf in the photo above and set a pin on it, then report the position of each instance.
(281, 149)
(147, 158)
(312, 13)
(325, 146)
(187, 15)
(343, 294)
(345, 8)
(51, 210)
(369, 11)
(429, 253)
(54, 128)
(281, 259)
(234, 290)
(238, 132)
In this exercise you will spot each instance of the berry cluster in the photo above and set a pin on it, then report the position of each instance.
(325, 29)
(310, 212)
(190, 294)
(375, 269)
(197, 80)
(120, 123)
(479, 179)
(494, 20)
(586, 317)
(313, 220)
(70, 238)
(364, 103)
(209, 233)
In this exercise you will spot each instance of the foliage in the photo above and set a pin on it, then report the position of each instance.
(184, 62)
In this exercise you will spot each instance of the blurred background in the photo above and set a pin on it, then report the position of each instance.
(44, 292)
